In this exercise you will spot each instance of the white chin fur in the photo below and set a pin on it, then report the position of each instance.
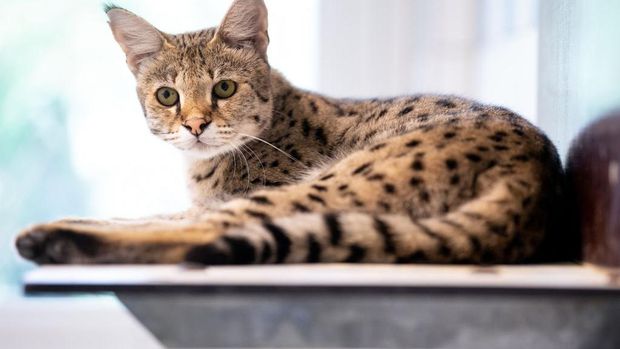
(203, 151)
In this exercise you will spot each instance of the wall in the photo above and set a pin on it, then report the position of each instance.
(477, 48)
(579, 73)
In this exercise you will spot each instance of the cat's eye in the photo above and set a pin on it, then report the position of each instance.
(167, 96)
(224, 89)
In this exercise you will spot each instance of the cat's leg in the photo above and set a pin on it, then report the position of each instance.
(116, 240)
(84, 243)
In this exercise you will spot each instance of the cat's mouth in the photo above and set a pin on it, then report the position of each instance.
(200, 144)
(204, 144)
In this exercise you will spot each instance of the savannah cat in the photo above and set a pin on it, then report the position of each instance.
(281, 175)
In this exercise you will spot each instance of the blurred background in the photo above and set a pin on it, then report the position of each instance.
(73, 140)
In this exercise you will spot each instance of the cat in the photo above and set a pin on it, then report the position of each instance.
(281, 175)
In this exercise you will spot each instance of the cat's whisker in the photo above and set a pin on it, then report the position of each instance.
(273, 146)
(259, 161)
(234, 163)
(247, 166)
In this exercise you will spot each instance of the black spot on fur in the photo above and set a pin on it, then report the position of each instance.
(269, 183)
(416, 257)
(449, 135)
(423, 117)
(343, 187)
(266, 252)
(500, 147)
(389, 246)
(382, 113)
(320, 188)
(452, 164)
(521, 157)
(444, 251)
(376, 177)
(333, 228)
(283, 243)
(297, 206)
(425, 196)
(405, 111)
(257, 214)
(305, 127)
(261, 200)
(389, 188)
(209, 254)
(314, 250)
(445, 103)
(415, 181)
(473, 157)
(295, 154)
(319, 134)
(476, 107)
(361, 169)
(378, 146)
(274, 163)
(356, 254)
(313, 106)
(455, 179)
(200, 178)
(498, 136)
(326, 177)
(316, 198)
(413, 143)
(241, 250)
(417, 165)
(476, 246)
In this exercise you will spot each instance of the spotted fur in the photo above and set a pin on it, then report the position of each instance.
(283, 175)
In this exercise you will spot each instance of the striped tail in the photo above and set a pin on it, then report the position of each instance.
(503, 225)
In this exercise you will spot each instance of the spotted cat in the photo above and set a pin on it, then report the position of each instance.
(282, 175)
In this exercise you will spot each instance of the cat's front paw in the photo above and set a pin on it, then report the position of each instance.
(56, 244)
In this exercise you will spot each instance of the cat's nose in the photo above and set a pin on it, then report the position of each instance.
(196, 126)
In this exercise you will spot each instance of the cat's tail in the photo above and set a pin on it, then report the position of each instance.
(504, 225)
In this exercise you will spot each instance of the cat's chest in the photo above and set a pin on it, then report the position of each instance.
(238, 173)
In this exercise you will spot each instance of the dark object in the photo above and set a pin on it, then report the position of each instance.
(593, 170)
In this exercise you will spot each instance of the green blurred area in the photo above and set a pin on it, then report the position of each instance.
(37, 181)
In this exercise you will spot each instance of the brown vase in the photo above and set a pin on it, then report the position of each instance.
(593, 173)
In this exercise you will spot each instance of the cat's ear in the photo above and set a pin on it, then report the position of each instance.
(245, 25)
(137, 37)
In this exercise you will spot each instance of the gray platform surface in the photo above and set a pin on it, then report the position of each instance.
(370, 306)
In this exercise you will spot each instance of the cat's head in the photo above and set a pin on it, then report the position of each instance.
(205, 92)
